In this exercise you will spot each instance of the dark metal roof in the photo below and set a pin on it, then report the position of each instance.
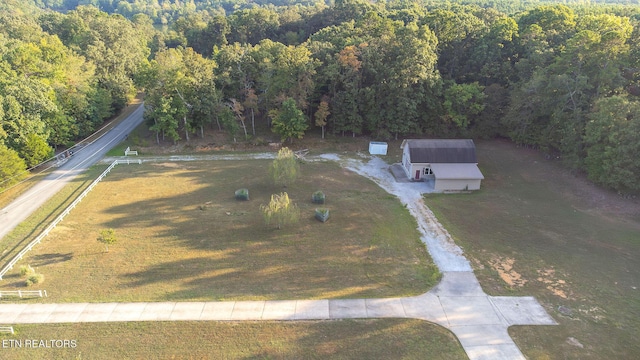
(442, 151)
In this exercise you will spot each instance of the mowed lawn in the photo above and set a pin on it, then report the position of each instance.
(338, 339)
(182, 236)
(536, 229)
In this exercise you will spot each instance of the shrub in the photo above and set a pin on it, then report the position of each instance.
(317, 197)
(107, 237)
(285, 168)
(35, 279)
(242, 194)
(26, 270)
(258, 141)
(322, 214)
(280, 210)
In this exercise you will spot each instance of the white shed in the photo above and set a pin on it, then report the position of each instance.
(378, 148)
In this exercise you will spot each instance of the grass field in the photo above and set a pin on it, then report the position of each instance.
(29, 229)
(344, 339)
(535, 229)
(183, 237)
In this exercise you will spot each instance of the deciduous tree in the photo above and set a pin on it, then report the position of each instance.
(107, 237)
(284, 169)
(289, 122)
(280, 211)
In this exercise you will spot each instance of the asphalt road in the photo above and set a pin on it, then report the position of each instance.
(82, 159)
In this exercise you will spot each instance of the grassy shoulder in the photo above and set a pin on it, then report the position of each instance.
(535, 229)
(345, 339)
(29, 229)
(183, 236)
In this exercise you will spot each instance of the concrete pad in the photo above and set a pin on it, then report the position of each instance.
(217, 310)
(66, 313)
(480, 335)
(127, 312)
(35, 314)
(8, 312)
(494, 352)
(187, 311)
(312, 310)
(97, 312)
(348, 309)
(470, 310)
(248, 310)
(458, 283)
(425, 307)
(157, 311)
(385, 308)
(525, 310)
(279, 310)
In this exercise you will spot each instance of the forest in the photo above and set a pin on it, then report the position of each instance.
(562, 77)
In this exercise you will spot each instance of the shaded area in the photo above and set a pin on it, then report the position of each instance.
(183, 236)
(24, 233)
(47, 259)
(352, 339)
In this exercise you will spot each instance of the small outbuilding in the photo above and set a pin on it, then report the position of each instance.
(451, 163)
(378, 148)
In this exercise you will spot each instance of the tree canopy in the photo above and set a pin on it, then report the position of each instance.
(540, 73)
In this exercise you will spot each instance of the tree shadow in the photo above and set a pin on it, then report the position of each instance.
(48, 259)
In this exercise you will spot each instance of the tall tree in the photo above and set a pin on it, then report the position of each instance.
(322, 113)
(12, 167)
(612, 139)
(289, 122)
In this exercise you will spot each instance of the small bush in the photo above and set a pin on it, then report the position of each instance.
(258, 141)
(322, 214)
(242, 194)
(317, 197)
(26, 270)
(35, 279)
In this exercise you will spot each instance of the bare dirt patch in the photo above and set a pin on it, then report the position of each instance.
(549, 278)
(504, 267)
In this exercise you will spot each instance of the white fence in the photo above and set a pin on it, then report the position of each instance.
(128, 152)
(6, 329)
(60, 217)
(23, 293)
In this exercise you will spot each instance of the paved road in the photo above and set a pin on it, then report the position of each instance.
(30, 201)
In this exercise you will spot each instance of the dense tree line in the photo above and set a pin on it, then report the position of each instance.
(565, 79)
(61, 76)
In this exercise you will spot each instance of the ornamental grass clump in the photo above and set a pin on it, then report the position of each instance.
(26, 270)
(34, 279)
(280, 211)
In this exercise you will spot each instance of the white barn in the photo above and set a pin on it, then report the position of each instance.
(451, 163)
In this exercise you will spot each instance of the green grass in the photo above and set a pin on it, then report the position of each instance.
(555, 238)
(183, 236)
(346, 339)
(29, 229)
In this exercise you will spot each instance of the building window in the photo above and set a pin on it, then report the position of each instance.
(428, 171)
